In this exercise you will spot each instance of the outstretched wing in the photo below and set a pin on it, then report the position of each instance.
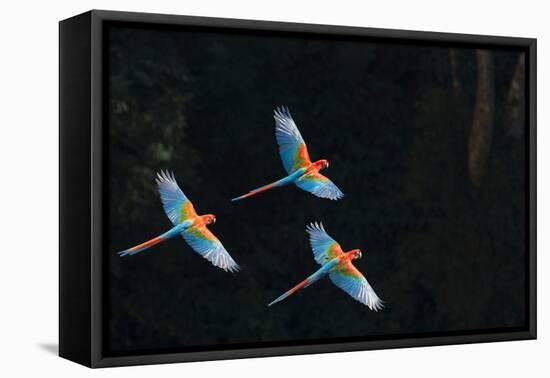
(320, 186)
(176, 205)
(292, 147)
(324, 247)
(349, 279)
(208, 246)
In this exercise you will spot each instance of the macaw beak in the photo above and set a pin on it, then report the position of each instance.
(213, 220)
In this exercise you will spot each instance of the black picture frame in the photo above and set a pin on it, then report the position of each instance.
(81, 180)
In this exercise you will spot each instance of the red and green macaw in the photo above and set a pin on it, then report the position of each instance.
(338, 265)
(187, 223)
(301, 171)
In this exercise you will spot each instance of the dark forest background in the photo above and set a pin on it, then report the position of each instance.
(426, 142)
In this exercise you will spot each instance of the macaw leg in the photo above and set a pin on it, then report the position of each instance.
(284, 181)
(176, 230)
(305, 283)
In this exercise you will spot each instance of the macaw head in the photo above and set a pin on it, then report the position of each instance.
(321, 164)
(209, 218)
(355, 254)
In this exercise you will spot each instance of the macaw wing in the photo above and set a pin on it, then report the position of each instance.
(176, 205)
(349, 279)
(320, 186)
(292, 147)
(206, 244)
(324, 247)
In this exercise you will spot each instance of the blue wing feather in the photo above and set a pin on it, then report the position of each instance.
(292, 148)
(320, 186)
(206, 244)
(356, 285)
(176, 205)
(324, 247)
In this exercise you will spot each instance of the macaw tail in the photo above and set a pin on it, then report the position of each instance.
(148, 244)
(301, 285)
(287, 180)
(252, 192)
(305, 283)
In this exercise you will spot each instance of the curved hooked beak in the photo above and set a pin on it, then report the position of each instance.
(213, 220)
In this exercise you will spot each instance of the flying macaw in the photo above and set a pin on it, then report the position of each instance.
(188, 224)
(301, 171)
(338, 265)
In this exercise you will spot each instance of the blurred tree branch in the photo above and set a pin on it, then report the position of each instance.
(515, 100)
(457, 87)
(479, 144)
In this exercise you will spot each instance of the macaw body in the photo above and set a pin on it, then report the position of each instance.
(187, 223)
(338, 265)
(295, 158)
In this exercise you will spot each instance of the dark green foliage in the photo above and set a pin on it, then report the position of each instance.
(442, 254)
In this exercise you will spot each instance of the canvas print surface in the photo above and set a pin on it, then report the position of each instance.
(282, 189)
